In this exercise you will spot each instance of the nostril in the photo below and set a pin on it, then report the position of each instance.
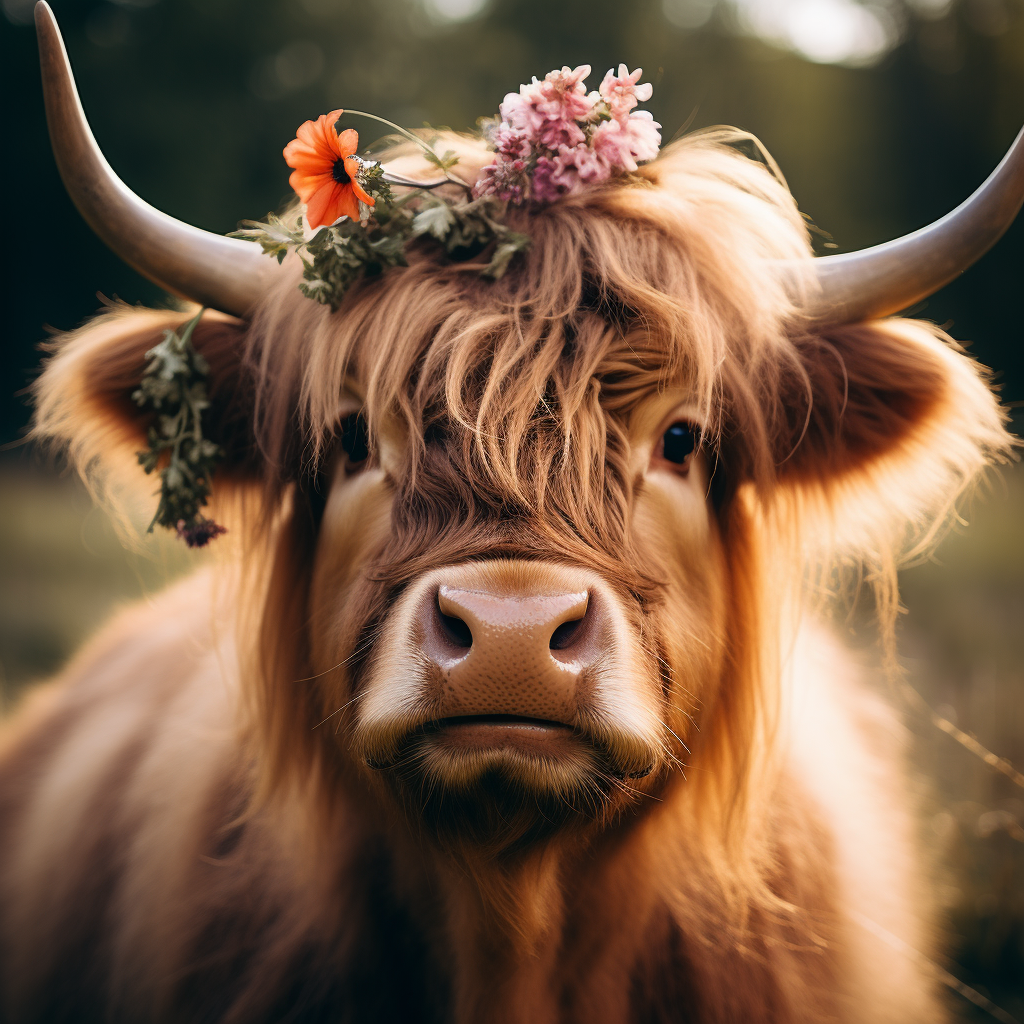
(456, 631)
(565, 635)
(571, 632)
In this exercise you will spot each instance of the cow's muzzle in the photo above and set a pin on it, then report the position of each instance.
(527, 667)
(513, 643)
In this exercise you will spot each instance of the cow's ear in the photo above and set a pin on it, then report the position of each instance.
(84, 397)
(884, 423)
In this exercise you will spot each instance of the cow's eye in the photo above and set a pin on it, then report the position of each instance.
(354, 438)
(679, 442)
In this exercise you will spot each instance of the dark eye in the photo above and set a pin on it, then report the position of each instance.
(354, 438)
(679, 442)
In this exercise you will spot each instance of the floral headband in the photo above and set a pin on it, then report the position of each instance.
(551, 139)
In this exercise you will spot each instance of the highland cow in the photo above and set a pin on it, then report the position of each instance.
(508, 699)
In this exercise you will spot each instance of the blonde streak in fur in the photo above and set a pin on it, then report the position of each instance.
(420, 321)
(460, 343)
(323, 407)
(458, 337)
(586, 438)
(846, 748)
(501, 425)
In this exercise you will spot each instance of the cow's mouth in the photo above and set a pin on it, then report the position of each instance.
(501, 732)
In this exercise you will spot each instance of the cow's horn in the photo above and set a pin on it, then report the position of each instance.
(225, 273)
(888, 278)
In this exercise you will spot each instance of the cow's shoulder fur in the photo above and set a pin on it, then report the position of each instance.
(134, 882)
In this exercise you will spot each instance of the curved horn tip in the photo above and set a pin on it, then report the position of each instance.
(886, 279)
(44, 15)
(225, 273)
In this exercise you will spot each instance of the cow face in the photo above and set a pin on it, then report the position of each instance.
(497, 670)
(520, 546)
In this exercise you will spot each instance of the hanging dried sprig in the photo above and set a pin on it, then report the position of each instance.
(174, 387)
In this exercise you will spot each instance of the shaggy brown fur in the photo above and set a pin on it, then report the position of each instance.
(193, 829)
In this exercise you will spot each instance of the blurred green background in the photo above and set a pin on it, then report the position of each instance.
(882, 115)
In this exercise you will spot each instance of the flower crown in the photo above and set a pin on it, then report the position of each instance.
(551, 139)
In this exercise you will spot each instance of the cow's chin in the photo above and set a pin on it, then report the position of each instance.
(536, 756)
(501, 782)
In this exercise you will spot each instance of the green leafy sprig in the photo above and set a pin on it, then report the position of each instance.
(467, 228)
(335, 257)
(174, 387)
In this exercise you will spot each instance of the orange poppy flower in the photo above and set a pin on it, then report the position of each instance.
(325, 170)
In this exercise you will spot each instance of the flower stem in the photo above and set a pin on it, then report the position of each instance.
(410, 136)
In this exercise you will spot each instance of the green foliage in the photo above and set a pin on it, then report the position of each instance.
(273, 234)
(337, 256)
(174, 387)
(466, 229)
(507, 247)
(445, 161)
(342, 253)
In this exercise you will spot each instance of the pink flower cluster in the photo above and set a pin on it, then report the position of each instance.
(555, 138)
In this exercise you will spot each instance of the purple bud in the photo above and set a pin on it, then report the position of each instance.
(199, 532)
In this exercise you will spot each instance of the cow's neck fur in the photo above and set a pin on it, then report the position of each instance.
(616, 928)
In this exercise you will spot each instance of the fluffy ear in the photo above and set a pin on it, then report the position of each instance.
(84, 395)
(884, 424)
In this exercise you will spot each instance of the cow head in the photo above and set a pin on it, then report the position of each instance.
(523, 547)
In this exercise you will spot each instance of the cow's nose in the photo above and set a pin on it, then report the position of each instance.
(511, 649)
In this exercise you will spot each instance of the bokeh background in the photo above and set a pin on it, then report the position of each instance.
(883, 116)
